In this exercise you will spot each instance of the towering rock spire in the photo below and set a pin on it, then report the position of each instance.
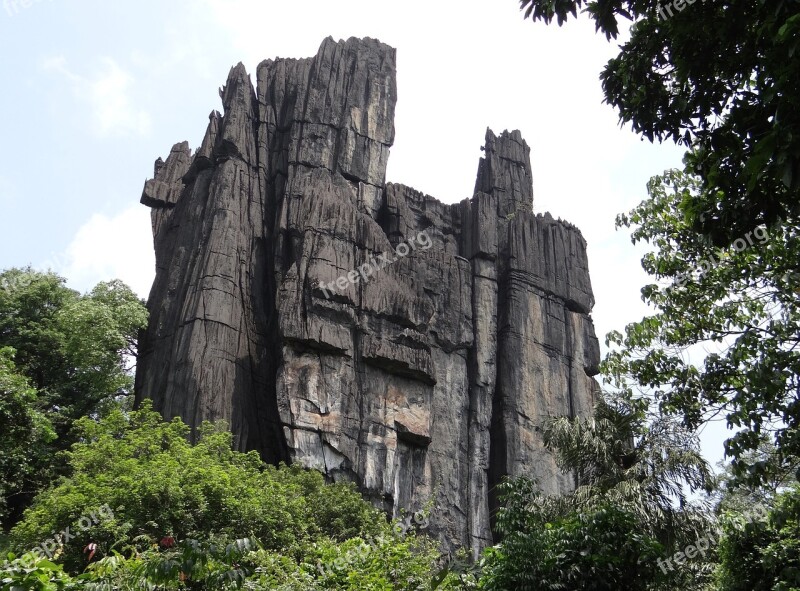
(357, 327)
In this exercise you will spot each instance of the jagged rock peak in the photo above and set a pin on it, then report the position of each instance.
(355, 326)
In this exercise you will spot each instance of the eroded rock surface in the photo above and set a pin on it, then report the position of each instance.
(429, 379)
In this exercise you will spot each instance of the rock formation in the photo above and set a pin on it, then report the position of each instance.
(426, 379)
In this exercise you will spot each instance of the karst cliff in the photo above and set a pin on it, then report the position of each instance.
(424, 380)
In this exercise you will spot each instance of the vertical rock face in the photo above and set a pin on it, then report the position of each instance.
(426, 375)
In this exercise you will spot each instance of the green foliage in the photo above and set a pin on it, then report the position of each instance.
(763, 555)
(739, 303)
(100, 334)
(387, 562)
(25, 434)
(202, 516)
(734, 496)
(597, 550)
(30, 303)
(643, 464)
(29, 573)
(74, 351)
(629, 509)
(158, 484)
(189, 564)
(720, 76)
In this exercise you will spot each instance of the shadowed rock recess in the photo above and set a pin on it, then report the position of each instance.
(429, 381)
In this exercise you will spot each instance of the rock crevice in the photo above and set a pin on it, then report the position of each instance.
(426, 379)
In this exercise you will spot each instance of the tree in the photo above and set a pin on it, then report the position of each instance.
(600, 549)
(763, 555)
(75, 353)
(75, 350)
(629, 458)
(157, 484)
(154, 508)
(35, 575)
(734, 496)
(720, 77)
(629, 510)
(24, 436)
(739, 304)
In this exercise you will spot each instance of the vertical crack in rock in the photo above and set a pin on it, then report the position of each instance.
(430, 379)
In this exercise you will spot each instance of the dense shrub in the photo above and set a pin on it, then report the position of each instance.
(157, 484)
(146, 508)
(601, 549)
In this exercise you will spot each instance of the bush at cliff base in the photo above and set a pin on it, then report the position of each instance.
(201, 515)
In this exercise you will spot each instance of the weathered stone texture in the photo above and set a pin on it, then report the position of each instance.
(428, 380)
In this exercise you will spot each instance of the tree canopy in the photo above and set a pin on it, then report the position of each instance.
(629, 510)
(720, 77)
(740, 304)
(76, 350)
(64, 356)
(145, 506)
(762, 554)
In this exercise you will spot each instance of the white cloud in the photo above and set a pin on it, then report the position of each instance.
(107, 93)
(105, 248)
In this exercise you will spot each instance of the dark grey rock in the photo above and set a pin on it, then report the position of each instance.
(428, 378)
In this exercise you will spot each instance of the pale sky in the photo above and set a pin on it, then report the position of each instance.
(96, 90)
